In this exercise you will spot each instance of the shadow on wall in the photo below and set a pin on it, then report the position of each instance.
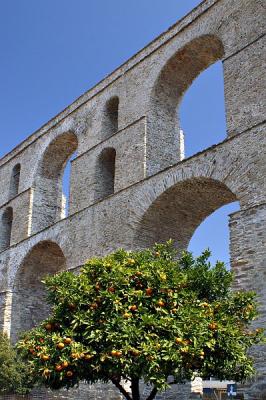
(179, 211)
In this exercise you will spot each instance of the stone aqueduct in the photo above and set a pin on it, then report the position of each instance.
(129, 184)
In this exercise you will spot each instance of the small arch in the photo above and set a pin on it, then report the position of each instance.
(29, 305)
(110, 117)
(48, 194)
(6, 228)
(14, 181)
(105, 173)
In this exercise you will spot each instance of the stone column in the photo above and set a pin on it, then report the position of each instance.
(5, 311)
(248, 255)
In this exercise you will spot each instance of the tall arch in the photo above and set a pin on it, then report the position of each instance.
(180, 209)
(173, 80)
(105, 173)
(29, 305)
(49, 201)
(14, 181)
(6, 228)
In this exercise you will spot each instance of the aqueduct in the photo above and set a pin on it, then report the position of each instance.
(129, 183)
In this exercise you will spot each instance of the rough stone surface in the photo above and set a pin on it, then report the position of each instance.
(130, 185)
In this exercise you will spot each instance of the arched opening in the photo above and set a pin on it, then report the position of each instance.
(6, 228)
(213, 233)
(202, 111)
(49, 202)
(14, 181)
(173, 81)
(178, 211)
(29, 305)
(105, 174)
(110, 117)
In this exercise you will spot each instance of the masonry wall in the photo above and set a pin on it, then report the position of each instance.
(143, 191)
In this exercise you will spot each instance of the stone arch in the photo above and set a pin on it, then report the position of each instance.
(105, 173)
(110, 117)
(14, 181)
(6, 228)
(173, 80)
(180, 209)
(29, 305)
(48, 199)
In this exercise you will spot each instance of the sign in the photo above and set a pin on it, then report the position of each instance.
(231, 389)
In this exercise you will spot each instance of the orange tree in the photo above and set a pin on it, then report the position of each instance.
(143, 315)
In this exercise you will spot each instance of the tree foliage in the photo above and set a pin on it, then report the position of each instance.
(143, 315)
(13, 372)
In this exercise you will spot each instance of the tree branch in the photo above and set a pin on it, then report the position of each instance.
(152, 394)
(121, 389)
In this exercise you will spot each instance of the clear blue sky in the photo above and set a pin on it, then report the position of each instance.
(54, 50)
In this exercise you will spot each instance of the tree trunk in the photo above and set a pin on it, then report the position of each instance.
(135, 389)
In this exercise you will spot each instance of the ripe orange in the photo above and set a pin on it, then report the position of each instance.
(69, 374)
(161, 303)
(88, 357)
(46, 372)
(48, 327)
(126, 315)
(149, 291)
(58, 368)
(116, 353)
(65, 364)
(45, 357)
(60, 345)
(67, 340)
(133, 308)
(178, 340)
(213, 326)
(111, 289)
(157, 254)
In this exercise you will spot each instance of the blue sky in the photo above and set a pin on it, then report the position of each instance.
(54, 50)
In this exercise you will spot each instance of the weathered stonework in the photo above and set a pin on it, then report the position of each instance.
(130, 185)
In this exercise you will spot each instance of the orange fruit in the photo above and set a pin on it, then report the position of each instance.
(133, 308)
(161, 303)
(65, 364)
(88, 357)
(149, 291)
(213, 326)
(45, 357)
(58, 368)
(178, 340)
(67, 340)
(46, 372)
(60, 345)
(69, 374)
(48, 327)
(126, 315)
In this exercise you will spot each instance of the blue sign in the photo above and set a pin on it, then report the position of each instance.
(231, 389)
